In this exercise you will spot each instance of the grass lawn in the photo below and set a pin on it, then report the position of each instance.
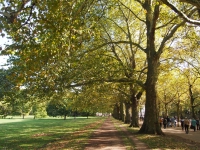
(28, 134)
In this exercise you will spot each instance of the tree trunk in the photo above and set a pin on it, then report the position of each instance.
(192, 99)
(65, 116)
(134, 101)
(151, 120)
(178, 113)
(193, 112)
(121, 111)
(127, 118)
(116, 111)
(134, 118)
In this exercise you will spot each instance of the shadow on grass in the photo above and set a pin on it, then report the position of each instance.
(32, 134)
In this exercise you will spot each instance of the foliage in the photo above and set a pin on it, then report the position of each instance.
(57, 108)
(39, 110)
(6, 85)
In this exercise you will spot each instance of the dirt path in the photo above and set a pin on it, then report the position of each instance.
(106, 138)
(177, 131)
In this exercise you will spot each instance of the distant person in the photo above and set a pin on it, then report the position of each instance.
(161, 121)
(168, 121)
(193, 124)
(197, 121)
(173, 121)
(182, 124)
(165, 123)
(186, 123)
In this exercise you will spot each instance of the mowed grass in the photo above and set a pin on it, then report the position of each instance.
(28, 134)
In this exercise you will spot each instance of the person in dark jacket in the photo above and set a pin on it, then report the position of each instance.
(197, 121)
(168, 121)
(193, 124)
(165, 123)
(182, 124)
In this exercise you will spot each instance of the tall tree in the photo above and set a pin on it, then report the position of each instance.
(153, 52)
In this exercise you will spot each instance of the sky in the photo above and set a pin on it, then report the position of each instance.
(3, 59)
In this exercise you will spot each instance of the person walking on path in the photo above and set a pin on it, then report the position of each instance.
(168, 121)
(197, 121)
(173, 122)
(182, 124)
(161, 121)
(165, 122)
(193, 124)
(186, 123)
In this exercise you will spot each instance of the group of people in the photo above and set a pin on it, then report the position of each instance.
(192, 124)
(185, 123)
(168, 122)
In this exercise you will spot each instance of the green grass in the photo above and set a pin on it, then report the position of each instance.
(28, 134)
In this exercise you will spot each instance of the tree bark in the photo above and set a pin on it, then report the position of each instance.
(127, 118)
(121, 111)
(134, 101)
(151, 119)
(116, 112)
(178, 112)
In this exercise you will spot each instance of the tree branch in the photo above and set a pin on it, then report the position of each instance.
(180, 13)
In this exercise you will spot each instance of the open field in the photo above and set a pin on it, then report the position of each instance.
(56, 133)
(27, 134)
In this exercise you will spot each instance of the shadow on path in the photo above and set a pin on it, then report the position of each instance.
(107, 137)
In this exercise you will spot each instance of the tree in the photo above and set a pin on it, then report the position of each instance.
(153, 52)
(22, 103)
(184, 15)
(57, 107)
(122, 46)
(188, 62)
(6, 84)
(39, 107)
(6, 91)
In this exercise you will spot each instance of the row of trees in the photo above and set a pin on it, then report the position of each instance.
(15, 101)
(103, 53)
